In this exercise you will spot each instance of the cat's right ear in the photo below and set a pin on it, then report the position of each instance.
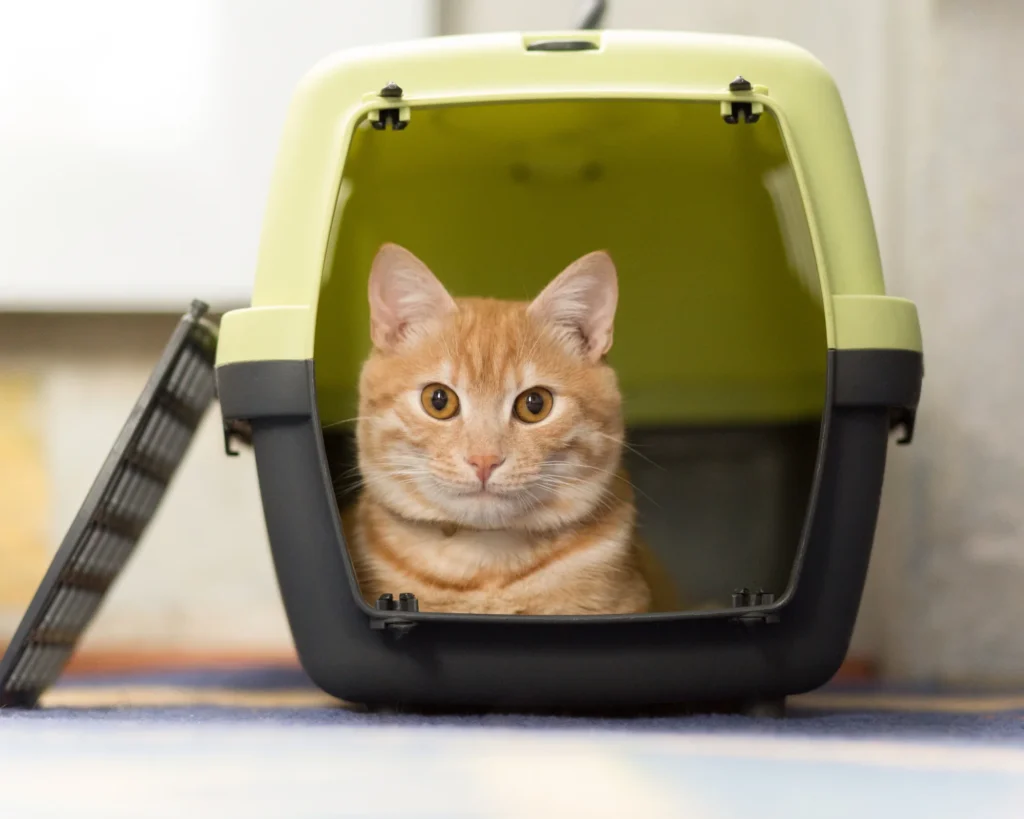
(406, 299)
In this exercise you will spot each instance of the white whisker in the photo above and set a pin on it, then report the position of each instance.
(622, 442)
(619, 477)
(348, 421)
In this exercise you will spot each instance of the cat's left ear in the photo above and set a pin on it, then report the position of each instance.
(580, 303)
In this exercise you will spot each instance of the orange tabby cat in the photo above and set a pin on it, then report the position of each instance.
(490, 439)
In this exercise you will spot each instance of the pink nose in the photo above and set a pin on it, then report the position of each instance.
(484, 465)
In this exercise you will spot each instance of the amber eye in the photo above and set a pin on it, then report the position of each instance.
(440, 401)
(534, 405)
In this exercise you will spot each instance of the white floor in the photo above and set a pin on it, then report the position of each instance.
(113, 769)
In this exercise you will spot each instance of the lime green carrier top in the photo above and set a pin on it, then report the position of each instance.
(744, 250)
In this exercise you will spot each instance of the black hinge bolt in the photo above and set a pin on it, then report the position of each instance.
(405, 602)
(741, 598)
(742, 110)
(391, 91)
(744, 598)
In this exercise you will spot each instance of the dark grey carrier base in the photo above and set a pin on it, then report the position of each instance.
(753, 654)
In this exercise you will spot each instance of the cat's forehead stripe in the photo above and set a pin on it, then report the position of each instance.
(488, 345)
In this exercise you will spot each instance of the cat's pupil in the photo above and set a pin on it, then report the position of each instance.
(535, 403)
(439, 399)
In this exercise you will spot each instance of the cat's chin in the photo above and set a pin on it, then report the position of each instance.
(511, 511)
(527, 509)
(484, 509)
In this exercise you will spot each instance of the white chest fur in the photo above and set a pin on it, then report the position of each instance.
(466, 570)
(467, 553)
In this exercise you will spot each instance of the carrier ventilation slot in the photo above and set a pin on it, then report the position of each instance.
(592, 20)
(115, 513)
(562, 45)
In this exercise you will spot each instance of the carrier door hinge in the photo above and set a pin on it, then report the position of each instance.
(387, 602)
(398, 115)
(742, 108)
(394, 624)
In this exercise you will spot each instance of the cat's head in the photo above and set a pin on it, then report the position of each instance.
(485, 413)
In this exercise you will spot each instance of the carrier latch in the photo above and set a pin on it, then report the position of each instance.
(236, 430)
(743, 110)
(397, 116)
(745, 598)
(903, 419)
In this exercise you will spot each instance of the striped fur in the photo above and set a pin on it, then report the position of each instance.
(551, 531)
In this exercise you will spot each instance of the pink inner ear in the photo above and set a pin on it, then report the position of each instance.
(580, 303)
(406, 299)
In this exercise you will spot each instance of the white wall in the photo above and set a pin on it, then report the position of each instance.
(137, 139)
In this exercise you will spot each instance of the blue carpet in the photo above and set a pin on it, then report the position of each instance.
(265, 742)
(863, 710)
(1003, 728)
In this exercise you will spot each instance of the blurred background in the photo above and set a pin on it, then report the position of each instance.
(136, 144)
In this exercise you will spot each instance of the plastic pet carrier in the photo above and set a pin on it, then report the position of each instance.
(763, 367)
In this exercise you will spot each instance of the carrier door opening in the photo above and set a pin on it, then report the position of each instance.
(719, 336)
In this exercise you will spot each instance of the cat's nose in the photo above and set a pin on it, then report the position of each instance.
(485, 465)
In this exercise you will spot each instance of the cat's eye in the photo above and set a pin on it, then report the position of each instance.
(533, 405)
(439, 401)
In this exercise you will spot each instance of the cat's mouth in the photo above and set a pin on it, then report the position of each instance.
(518, 494)
(495, 492)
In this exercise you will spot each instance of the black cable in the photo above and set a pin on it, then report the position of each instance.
(594, 16)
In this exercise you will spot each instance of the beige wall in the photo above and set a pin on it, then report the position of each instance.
(951, 580)
(202, 578)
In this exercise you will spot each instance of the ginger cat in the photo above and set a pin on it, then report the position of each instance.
(489, 441)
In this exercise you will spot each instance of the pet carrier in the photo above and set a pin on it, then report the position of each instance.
(761, 362)
(763, 366)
